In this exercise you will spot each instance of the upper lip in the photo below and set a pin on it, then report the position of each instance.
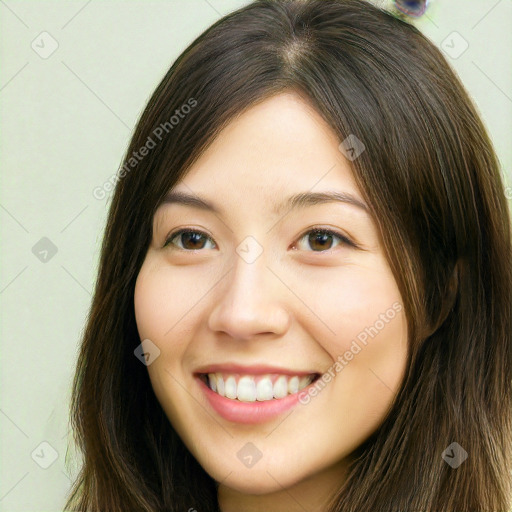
(251, 370)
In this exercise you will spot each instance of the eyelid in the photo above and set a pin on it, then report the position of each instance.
(329, 231)
(174, 234)
(345, 240)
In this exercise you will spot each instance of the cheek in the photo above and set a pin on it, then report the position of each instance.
(368, 350)
(165, 300)
(161, 316)
(157, 314)
(150, 303)
(355, 302)
(368, 339)
(167, 303)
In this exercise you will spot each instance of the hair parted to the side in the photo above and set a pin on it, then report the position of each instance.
(432, 180)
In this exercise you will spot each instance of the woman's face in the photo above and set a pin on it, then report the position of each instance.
(259, 297)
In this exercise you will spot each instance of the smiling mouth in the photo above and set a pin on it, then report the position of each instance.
(252, 388)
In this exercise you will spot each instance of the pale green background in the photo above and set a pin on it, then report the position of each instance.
(67, 121)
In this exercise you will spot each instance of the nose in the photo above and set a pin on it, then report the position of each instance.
(249, 302)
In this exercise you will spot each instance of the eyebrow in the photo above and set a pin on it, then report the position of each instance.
(297, 201)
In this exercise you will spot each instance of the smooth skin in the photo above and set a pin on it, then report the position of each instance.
(299, 305)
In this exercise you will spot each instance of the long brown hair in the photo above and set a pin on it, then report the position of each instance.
(432, 180)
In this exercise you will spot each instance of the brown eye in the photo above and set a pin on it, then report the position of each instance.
(191, 240)
(322, 240)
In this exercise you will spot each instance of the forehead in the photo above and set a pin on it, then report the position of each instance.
(276, 149)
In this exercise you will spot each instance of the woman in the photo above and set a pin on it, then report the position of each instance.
(304, 293)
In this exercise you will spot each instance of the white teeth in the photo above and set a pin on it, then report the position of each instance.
(293, 385)
(305, 381)
(220, 384)
(264, 389)
(246, 391)
(212, 379)
(250, 388)
(230, 387)
(281, 387)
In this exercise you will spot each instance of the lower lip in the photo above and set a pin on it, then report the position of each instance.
(248, 412)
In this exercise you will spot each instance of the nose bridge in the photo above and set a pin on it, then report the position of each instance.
(248, 301)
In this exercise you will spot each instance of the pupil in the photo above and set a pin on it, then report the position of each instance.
(191, 237)
(321, 238)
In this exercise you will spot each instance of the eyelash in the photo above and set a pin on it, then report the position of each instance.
(344, 239)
